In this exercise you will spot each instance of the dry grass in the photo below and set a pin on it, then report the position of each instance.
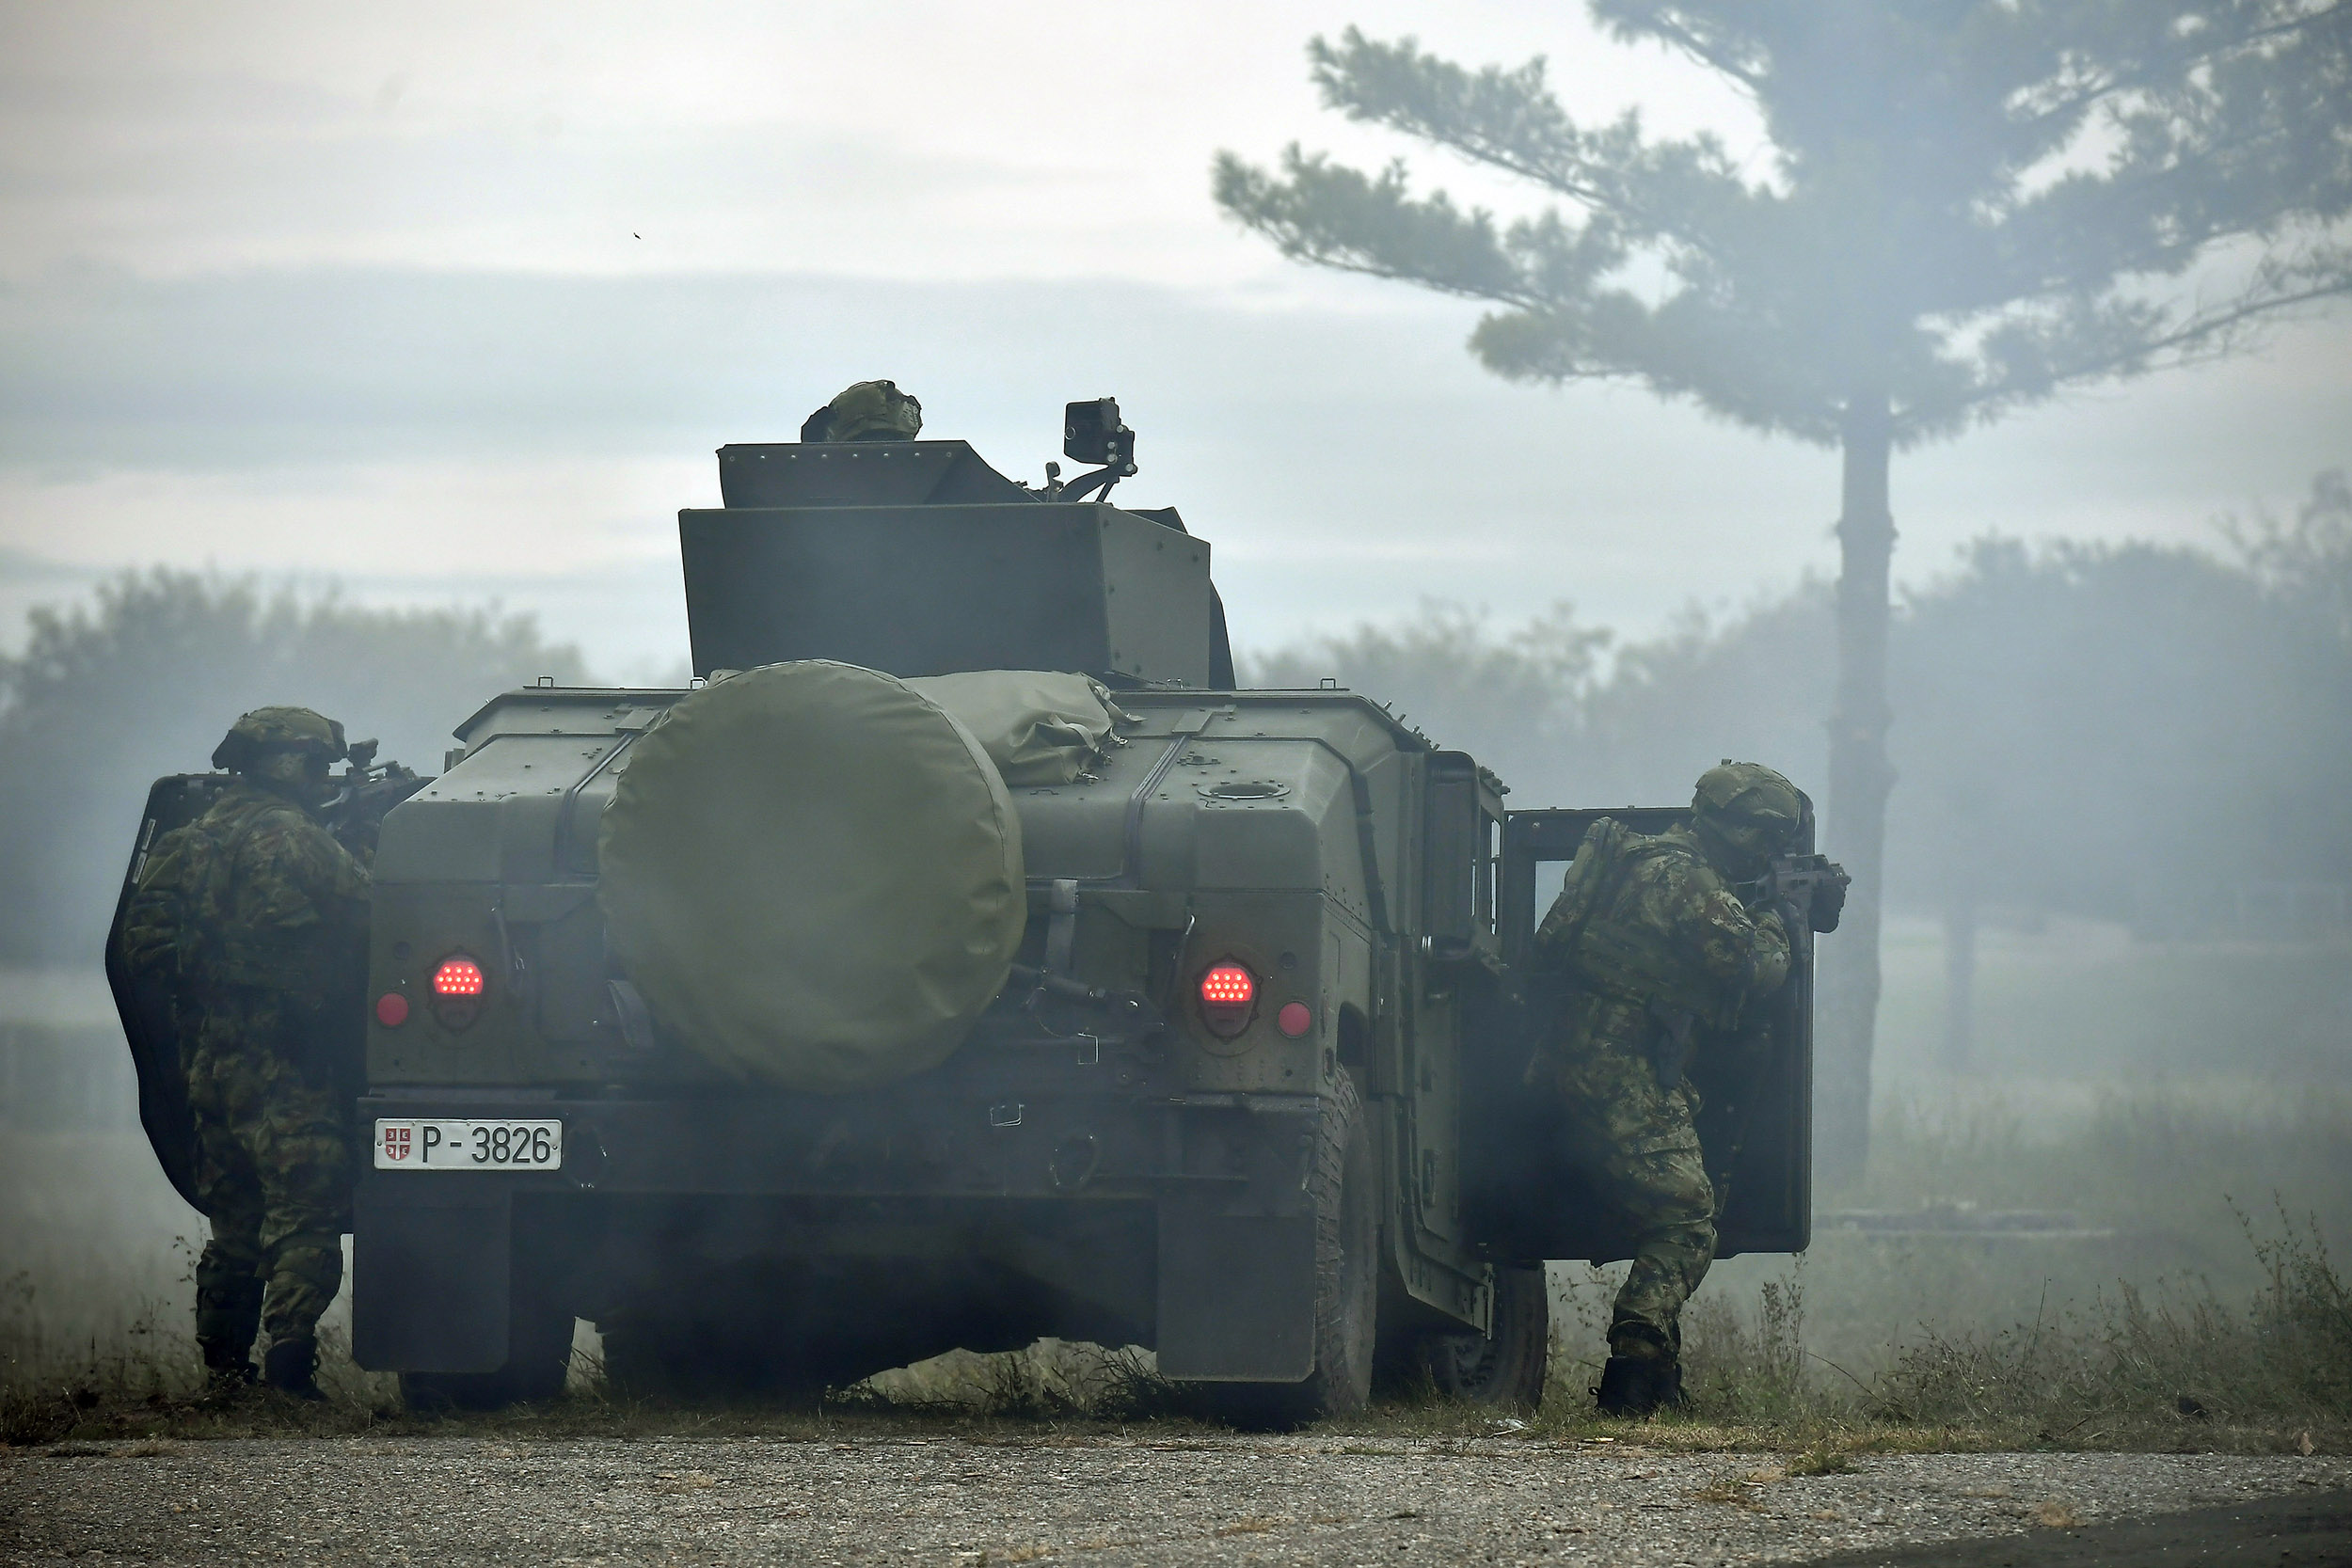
(2182, 1361)
(1731, 1490)
(1827, 1459)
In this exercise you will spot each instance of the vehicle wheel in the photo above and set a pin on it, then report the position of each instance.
(538, 1355)
(1344, 1180)
(1504, 1369)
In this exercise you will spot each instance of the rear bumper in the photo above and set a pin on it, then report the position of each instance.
(1220, 1180)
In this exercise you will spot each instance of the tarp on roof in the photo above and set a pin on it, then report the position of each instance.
(1039, 726)
(813, 875)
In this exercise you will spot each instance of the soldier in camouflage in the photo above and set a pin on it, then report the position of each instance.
(866, 411)
(1659, 952)
(258, 918)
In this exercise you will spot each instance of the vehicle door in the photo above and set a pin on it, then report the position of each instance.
(1523, 1198)
(150, 1023)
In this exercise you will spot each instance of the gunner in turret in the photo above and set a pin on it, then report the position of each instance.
(866, 411)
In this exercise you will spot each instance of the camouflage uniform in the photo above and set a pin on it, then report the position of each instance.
(866, 411)
(1657, 950)
(262, 918)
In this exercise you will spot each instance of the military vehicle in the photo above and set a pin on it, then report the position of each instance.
(759, 1024)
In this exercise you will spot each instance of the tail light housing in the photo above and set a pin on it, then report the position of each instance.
(1229, 995)
(457, 985)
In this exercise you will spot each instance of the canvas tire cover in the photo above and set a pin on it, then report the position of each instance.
(1039, 727)
(813, 876)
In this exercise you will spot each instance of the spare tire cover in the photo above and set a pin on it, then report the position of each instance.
(813, 876)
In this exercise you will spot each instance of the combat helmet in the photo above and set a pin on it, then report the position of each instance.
(268, 732)
(866, 411)
(1744, 813)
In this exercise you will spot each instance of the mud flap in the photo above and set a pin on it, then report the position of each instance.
(431, 1272)
(150, 1024)
(1236, 1294)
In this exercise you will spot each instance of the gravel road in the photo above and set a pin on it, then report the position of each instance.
(1096, 1500)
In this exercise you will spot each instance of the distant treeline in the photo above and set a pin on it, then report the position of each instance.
(2133, 732)
(109, 695)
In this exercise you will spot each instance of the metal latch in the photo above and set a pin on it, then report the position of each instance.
(1061, 926)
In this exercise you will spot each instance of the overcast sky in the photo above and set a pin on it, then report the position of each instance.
(454, 301)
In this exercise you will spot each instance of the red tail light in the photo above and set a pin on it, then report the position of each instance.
(1228, 985)
(457, 977)
(1229, 995)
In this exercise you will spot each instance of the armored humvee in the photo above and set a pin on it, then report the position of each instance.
(1250, 1091)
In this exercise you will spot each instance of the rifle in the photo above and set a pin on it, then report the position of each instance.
(1809, 891)
(356, 813)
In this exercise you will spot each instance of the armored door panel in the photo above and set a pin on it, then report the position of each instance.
(149, 1022)
(1523, 1198)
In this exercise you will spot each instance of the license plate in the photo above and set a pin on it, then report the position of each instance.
(439, 1145)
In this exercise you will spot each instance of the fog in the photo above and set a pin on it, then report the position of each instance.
(364, 362)
(449, 308)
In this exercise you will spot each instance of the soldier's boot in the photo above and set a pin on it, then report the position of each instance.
(228, 1366)
(1644, 1374)
(291, 1367)
(1635, 1386)
(227, 1315)
(303, 1276)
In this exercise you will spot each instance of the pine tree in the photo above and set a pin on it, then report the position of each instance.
(1972, 205)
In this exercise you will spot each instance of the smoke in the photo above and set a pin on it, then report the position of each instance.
(2077, 726)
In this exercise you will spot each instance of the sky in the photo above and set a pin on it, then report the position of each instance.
(452, 302)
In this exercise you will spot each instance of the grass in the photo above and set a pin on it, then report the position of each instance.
(2270, 1373)
(2174, 1320)
(2191, 1357)
(2184, 1366)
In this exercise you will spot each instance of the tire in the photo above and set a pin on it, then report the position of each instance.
(1505, 1370)
(538, 1355)
(1344, 1182)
